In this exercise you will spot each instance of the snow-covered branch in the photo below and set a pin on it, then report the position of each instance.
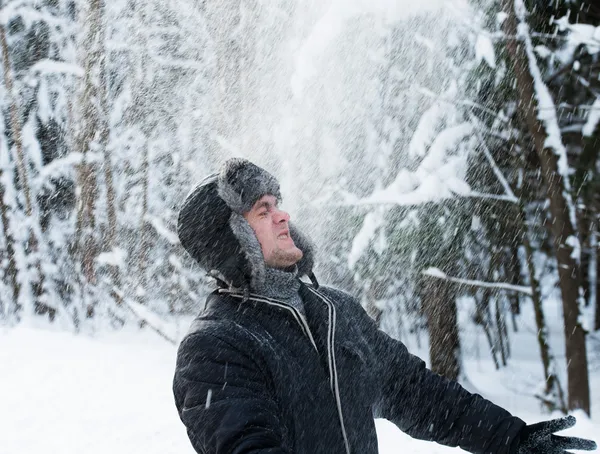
(150, 319)
(492, 162)
(593, 119)
(465, 102)
(162, 229)
(484, 195)
(47, 66)
(437, 273)
(29, 15)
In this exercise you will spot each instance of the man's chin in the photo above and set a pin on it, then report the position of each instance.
(286, 258)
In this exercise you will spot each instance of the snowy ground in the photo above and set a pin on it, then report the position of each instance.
(66, 394)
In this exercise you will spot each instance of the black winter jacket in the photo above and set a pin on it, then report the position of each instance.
(258, 377)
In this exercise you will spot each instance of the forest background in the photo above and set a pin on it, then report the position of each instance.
(444, 157)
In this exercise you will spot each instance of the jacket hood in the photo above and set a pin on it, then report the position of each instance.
(213, 230)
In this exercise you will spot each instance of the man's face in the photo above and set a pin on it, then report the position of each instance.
(270, 224)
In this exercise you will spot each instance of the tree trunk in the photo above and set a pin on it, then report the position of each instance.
(90, 134)
(553, 397)
(561, 208)
(11, 268)
(15, 122)
(496, 266)
(586, 252)
(482, 318)
(501, 330)
(439, 303)
(144, 247)
(597, 252)
(514, 277)
(553, 387)
(588, 179)
(110, 238)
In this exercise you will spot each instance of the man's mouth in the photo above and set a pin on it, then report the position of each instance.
(283, 236)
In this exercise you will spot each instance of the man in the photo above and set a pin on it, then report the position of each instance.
(275, 365)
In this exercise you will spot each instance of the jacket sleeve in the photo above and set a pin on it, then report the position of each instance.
(430, 407)
(222, 398)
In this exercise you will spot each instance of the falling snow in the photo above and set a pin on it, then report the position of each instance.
(393, 152)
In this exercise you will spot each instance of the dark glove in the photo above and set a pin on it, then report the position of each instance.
(540, 439)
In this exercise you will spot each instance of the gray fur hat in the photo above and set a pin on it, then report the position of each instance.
(213, 230)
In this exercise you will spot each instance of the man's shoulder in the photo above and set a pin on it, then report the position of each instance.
(216, 320)
(205, 332)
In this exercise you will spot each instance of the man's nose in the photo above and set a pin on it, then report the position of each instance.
(281, 216)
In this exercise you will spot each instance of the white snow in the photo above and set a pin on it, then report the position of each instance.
(371, 224)
(579, 34)
(593, 119)
(116, 257)
(111, 392)
(501, 17)
(439, 176)
(310, 56)
(63, 166)
(162, 229)
(44, 67)
(29, 14)
(154, 320)
(573, 241)
(542, 51)
(425, 132)
(484, 50)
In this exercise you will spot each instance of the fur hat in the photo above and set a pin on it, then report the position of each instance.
(213, 230)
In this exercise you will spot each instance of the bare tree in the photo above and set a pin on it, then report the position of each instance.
(439, 305)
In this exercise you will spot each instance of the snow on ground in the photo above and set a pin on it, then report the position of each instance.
(62, 393)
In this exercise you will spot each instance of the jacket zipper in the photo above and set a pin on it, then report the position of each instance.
(333, 376)
(333, 368)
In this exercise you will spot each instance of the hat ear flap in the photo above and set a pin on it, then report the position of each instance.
(302, 242)
(250, 248)
(204, 232)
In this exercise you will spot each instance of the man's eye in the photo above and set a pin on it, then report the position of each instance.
(262, 214)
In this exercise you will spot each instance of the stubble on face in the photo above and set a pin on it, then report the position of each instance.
(271, 226)
(283, 258)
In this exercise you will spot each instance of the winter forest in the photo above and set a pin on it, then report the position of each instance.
(443, 156)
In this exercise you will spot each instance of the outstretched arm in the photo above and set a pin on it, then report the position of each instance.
(222, 399)
(426, 405)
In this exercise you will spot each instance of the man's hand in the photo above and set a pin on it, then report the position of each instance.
(540, 439)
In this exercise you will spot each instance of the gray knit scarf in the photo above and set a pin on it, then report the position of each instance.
(282, 285)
